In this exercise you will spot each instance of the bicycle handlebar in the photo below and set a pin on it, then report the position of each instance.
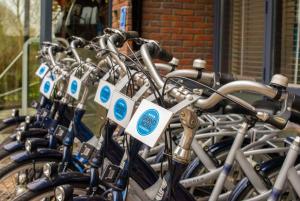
(215, 98)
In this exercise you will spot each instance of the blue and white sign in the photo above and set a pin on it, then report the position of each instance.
(47, 86)
(104, 93)
(123, 18)
(120, 110)
(149, 122)
(42, 70)
(74, 87)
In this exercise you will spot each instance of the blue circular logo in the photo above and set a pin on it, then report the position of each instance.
(148, 122)
(46, 86)
(120, 109)
(42, 70)
(105, 94)
(73, 87)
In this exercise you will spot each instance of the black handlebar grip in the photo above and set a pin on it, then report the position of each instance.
(225, 78)
(117, 40)
(131, 35)
(295, 112)
(59, 49)
(78, 42)
(165, 55)
(277, 121)
(296, 103)
(158, 52)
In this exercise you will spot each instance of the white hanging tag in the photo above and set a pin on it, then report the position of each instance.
(42, 70)
(104, 93)
(149, 122)
(121, 108)
(47, 86)
(74, 87)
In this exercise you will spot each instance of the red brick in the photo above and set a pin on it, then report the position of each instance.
(170, 17)
(182, 36)
(151, 29)
(151, 4)
(193, 31)
(182, 49)
(183, 12)
(171, 30)
(184, 1)
(204, 38)
(193, 18)
(171, 5)
(152, 11)
(182, 24)
(151, 17)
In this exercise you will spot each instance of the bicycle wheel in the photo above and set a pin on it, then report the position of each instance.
(14, 176)
(49, 194)
(245, 190)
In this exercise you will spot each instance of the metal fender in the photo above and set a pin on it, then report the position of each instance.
(13, 146)
(60, 179)
(39, 154)
(88, 198)
(44, 153)
(223, 145)
(265, 168)
(213, 150)
(11, 121)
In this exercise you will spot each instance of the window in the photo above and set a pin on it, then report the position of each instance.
(243, 43)
(289, 62)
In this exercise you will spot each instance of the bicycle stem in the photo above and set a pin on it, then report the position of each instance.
(190, 123)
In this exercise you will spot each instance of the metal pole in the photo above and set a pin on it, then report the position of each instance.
(25, 74)
(297, 46)
(269, 43)
(25, 77)
(46, 21)
(26, 20)
(110, 13)
(217, 36)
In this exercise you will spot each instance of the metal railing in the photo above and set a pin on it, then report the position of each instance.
(25, 72)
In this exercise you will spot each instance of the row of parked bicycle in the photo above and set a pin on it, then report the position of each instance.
(167, 134)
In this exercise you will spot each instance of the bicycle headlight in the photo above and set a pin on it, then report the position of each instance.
(49, 169)
(22, 127)
(28, 146)
(64, 192)
(19, 136)
(22, 178)
(59, 193)
(27, 119)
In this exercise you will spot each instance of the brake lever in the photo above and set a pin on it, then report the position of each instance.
(286, 108)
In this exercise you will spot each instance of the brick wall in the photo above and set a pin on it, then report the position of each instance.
(184, 27)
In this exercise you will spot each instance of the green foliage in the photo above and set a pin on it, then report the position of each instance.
(11, 45)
